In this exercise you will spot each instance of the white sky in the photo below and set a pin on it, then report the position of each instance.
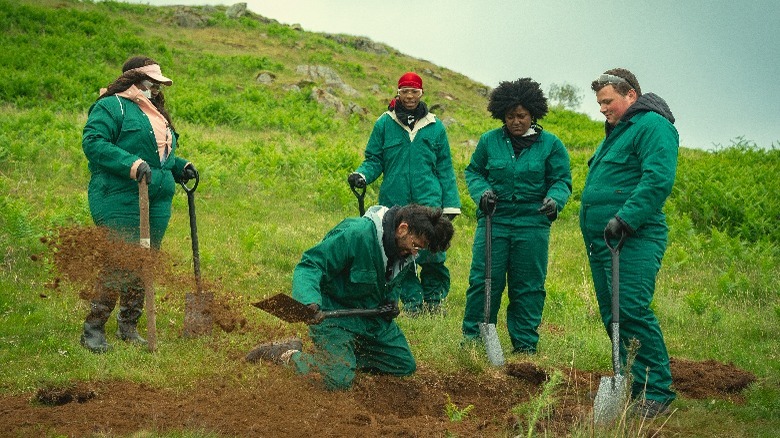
(716, 63)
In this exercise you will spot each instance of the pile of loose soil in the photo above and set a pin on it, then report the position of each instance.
(282, 404)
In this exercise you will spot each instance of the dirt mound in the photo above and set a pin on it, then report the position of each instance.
(279, 403)
(80, 256)
(709, 379)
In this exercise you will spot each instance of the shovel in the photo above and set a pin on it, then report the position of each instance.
(486, 329)
(197, 306)
(289, 309)
(361, 196)
(148, 275)
(611, 396)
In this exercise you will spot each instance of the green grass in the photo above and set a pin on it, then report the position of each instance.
(274, 167)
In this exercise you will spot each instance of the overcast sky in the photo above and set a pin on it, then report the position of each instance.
(716, 63)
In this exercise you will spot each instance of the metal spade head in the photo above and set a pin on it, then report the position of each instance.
(610, 399)
(286, 308)
(492, 344)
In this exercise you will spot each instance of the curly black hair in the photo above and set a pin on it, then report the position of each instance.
(508, 95)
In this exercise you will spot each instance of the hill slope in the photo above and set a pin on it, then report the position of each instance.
(274, 163)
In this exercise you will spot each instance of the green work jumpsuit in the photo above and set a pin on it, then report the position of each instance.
(630, 176)
(348, 269)
(417, 168)
(520, 233)
(116, 135)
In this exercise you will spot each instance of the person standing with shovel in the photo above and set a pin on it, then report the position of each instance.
(630, 176)
(356, 266)
(409, 146)
(129, 138)
(520, 175)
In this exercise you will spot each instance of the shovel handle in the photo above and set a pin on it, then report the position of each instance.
(615, 325)
(145, 234)
(361, 196)
(194, 186)
(488, 264)
(194, 230)
(352, 312)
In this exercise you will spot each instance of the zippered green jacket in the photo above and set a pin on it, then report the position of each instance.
(417, 163)
(346, 270)
(522, 182)
(118, 133)
(632, 172)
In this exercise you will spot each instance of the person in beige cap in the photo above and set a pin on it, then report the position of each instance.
(128, 137)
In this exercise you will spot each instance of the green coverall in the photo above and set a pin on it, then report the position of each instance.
(347, 270)
(417, 168)
(631, 175)
(520, 233)
(118, 133)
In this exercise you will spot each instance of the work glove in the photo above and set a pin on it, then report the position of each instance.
(189, 172)
(488, 201)
(549, 208)
(356, 180)
(390, 310)
(617, 227)
(143, 171)
(450, 216)
(318, 316)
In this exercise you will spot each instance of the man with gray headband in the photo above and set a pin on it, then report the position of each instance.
(629, 179)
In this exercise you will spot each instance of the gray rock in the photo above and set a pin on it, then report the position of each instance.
(321, 73)
(265, 77)
(327, 100)
(236, 11)
(189, 18)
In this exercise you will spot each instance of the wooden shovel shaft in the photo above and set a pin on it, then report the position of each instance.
(147, 272)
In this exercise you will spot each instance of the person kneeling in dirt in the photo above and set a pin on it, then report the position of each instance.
(357, 265)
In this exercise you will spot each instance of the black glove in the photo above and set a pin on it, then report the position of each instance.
(488, 201)
(318, 317)
(616, 227)
(189, 172)
(549, 208)
(143, 171)
(356, 180)
(450, 216)
(390, 310)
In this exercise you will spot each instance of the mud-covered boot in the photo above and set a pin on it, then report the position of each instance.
(278, 352)
(131, 306)
(94, 336)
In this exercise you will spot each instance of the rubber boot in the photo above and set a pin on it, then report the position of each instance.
(131, 304)
(94, 336)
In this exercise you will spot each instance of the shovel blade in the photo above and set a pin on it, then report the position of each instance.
(610, 399)
(492, 345)
(286, 308)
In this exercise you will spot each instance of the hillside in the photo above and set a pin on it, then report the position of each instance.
(275, 117)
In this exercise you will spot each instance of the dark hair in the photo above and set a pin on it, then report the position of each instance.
(508, 95)
(429, 223)
(129, 78)
(623, 88)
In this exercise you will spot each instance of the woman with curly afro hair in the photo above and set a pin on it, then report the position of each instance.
(520, 175)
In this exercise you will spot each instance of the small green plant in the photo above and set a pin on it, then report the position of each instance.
(698, 301)
(452, 411)
(540, 406)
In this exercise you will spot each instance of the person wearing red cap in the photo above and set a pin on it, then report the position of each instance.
(129, 137)
(409, 146)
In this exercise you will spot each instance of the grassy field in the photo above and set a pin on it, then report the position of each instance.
(274, 164)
